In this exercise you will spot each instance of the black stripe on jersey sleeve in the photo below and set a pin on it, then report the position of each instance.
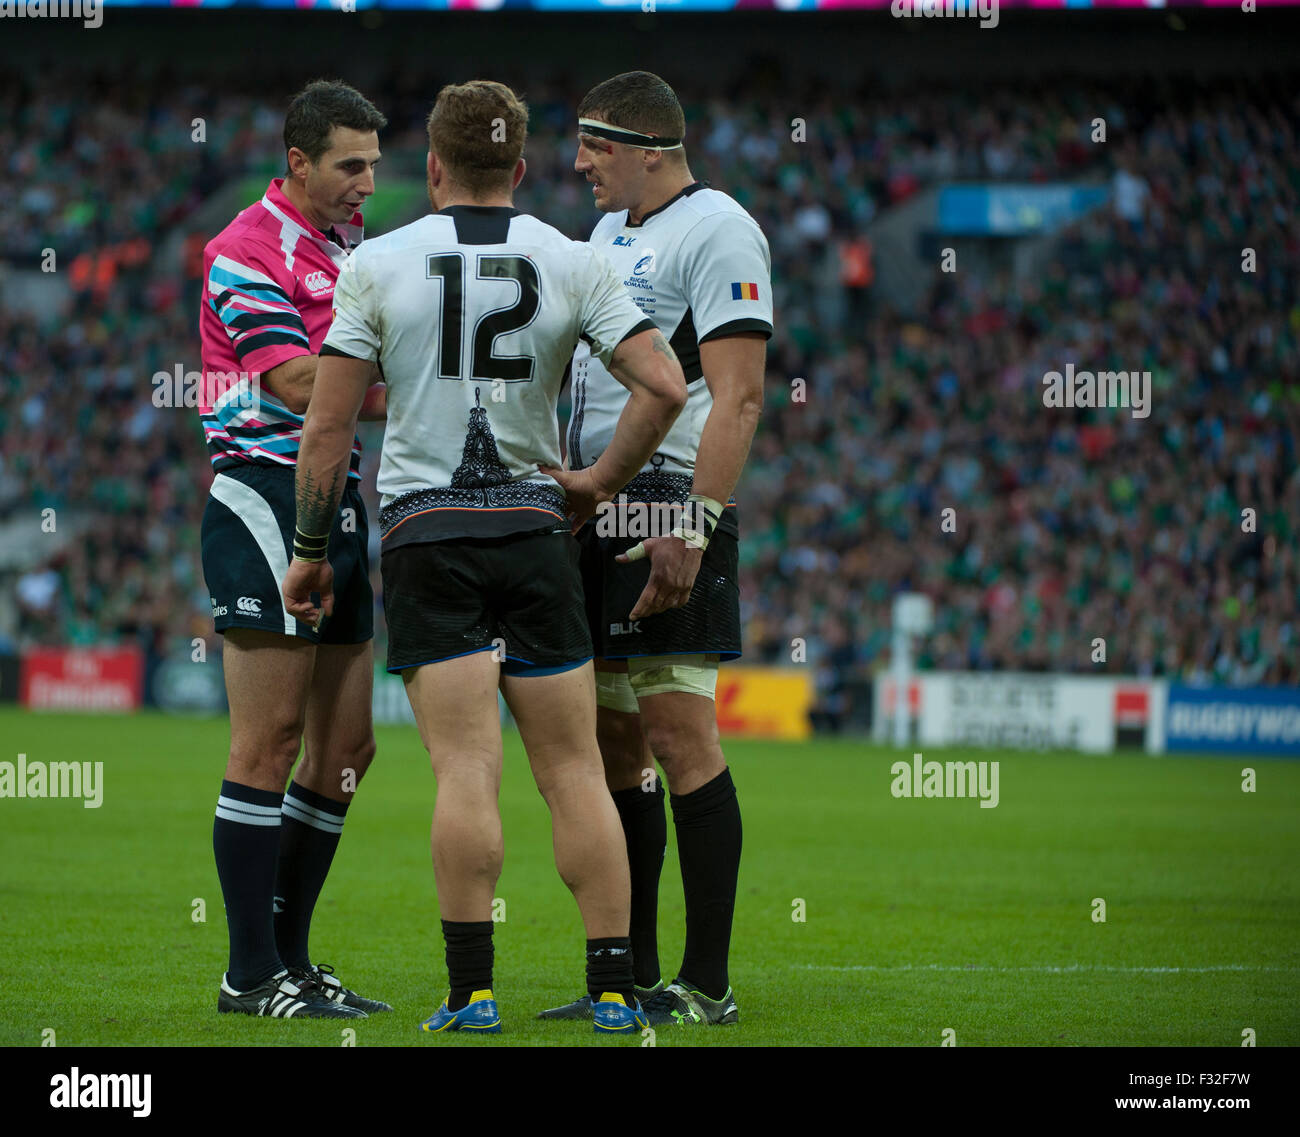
(326, 349)
(733, 327)
(250, 344)
(252, 433)
(687, 347)
(646, 325)
(250, 320)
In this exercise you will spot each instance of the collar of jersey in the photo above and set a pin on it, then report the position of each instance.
(685, 191)
(452, 210)
(279, 206)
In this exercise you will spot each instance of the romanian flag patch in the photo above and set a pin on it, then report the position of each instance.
(740, 291)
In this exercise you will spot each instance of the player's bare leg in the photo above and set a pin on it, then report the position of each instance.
(639, 798)
(623, 748)
(556, 718)
(681, 730)
(455, 705)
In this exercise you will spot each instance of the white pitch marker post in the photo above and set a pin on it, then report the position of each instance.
(913, 615)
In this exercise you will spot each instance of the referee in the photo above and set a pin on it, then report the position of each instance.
(270, 277)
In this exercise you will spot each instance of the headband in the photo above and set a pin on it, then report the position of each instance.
(627, 137)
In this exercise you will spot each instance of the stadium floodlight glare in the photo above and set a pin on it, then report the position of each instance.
(913, 615)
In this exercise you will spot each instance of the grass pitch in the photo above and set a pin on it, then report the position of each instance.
(920, 916)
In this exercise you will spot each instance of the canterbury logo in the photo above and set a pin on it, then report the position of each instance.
(249, 605)
(318, 281)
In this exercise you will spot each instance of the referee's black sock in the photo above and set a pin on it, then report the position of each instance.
(469, 959)
(708, 846)
(645, 825)
(609, 968)
(310, 827)
(246, 842)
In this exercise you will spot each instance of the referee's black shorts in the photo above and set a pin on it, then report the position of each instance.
(518, 595)
(709, 622)
(247, 544)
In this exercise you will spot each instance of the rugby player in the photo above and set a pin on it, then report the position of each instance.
(698, 265)
(472, 313)
(270, 277)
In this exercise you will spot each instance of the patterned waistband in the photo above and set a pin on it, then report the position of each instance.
(511, 496)
(656, 485)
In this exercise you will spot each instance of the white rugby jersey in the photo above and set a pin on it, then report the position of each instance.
(472, 314)
(699, 267)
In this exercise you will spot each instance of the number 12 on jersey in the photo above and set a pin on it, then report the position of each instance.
(450, 268)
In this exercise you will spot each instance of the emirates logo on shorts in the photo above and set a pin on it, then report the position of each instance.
(318, 282)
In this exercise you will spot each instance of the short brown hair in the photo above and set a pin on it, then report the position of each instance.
(636, 100)
(478, 130)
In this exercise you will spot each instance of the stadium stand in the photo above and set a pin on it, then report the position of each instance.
(1071, 524)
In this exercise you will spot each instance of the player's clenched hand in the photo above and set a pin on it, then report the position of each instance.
(581, 491)
(302, 579)
(673, 567)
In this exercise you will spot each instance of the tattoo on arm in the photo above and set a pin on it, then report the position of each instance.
(317, 504)
(660, 344)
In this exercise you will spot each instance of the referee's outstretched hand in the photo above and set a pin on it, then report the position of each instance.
(302, 579)
(673, 568)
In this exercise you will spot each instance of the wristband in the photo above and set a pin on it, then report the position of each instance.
(702, 515)
(693, 537)
(307, 548)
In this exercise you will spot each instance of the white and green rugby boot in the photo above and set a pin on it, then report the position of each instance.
(681, 1004)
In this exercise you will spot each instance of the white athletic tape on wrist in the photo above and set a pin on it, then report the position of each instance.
(693, 537)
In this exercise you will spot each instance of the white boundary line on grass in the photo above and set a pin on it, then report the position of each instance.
(1044, 969)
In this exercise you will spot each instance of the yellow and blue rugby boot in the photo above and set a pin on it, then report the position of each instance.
(480, 1015)
(611, 1015)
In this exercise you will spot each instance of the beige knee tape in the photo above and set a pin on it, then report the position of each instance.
(661, 674)
(614, 691)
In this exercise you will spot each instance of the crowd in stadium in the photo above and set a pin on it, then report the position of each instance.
(1172, 537)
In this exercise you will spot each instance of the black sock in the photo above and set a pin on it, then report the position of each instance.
(469, 959)
(310, 827)
(645, 825)
(708, 846)
(246, 841)
(609, 968)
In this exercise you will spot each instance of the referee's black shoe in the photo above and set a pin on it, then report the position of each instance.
(322, 974)
(283, 996)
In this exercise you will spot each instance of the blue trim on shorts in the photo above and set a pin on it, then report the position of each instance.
(440, 659)
(528, 670)
(537, 672)
(723, 656)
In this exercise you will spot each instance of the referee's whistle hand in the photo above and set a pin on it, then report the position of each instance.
(303, 579)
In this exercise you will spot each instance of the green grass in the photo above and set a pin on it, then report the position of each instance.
(921, 914)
